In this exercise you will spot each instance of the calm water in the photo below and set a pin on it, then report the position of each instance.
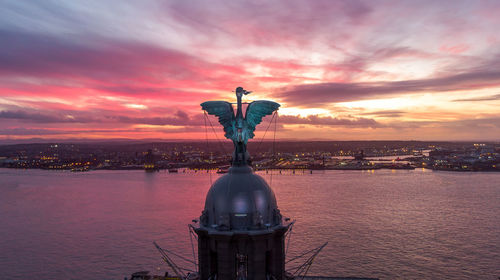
(388, 224)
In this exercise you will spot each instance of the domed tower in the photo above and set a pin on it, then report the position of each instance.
(240, 232)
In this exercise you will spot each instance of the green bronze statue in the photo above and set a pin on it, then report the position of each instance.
(237, 127)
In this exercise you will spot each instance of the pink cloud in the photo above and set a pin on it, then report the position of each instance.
(454, 49)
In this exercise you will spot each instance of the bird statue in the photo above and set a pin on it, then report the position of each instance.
(237, 127)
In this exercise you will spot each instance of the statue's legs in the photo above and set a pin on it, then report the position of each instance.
(240, 155)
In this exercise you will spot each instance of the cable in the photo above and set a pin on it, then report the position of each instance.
(215, 133)
(192, 247)
(206, 137)
(262, 139)
(274, 146)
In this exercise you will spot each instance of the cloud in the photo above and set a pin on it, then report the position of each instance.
(21, 131)
(471, 124)
(106, 64)
(385, 114)
(44, 118)
(483, 98)
(269, 23)
(44, 131)
(456, 49)
(180, 118)
(322, 93)
(475, 123)
(328, 121)
(31, 131)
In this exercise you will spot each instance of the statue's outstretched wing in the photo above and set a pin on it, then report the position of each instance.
(256, 111)
(224, 111)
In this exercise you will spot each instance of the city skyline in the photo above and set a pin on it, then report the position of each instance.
(342, 70)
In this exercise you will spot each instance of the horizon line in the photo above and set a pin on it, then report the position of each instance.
(6, 142)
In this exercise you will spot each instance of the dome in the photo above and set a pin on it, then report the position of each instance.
(240, 200)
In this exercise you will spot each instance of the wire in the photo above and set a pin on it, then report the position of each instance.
(274, 140)
(179, 256)
(215, 133)
(206, 137)
(262, 139)
(307, 264)
(289, 233)
(192, 246)
(303, 254)
(274, 147)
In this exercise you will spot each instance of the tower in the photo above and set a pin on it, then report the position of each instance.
(240, 231)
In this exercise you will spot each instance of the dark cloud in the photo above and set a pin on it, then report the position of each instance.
(318, 94)
(31, 131)
(180, 118)
(21, 131)
(44, 131)
(182, 115)
(44, 117)
(328, 121)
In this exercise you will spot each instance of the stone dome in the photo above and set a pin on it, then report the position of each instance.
(240, 200)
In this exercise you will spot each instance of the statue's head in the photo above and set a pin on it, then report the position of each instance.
(240, 91)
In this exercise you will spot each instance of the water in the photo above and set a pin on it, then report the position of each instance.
(406, 224)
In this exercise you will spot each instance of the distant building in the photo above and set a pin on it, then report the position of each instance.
(360, 155)
(150, 161)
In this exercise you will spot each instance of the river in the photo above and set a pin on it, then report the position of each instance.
(391, 224)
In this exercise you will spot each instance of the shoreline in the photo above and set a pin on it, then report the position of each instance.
(215, 169)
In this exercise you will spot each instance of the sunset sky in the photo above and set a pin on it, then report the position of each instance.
(342, 70)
